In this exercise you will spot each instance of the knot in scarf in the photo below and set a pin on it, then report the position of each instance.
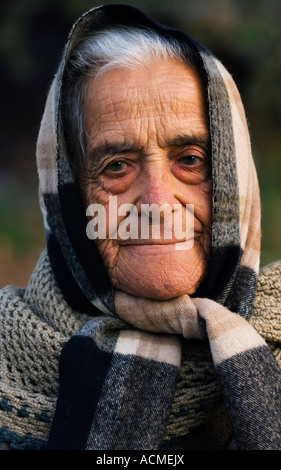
(192, 318)
(137, 364)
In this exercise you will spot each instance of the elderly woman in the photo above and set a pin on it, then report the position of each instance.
(133, 342)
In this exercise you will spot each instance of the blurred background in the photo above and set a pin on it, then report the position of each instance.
(245, 35)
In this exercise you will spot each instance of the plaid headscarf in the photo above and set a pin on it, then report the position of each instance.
(118, 373)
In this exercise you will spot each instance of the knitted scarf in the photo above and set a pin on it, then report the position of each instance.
(121, 358)
(36, 323)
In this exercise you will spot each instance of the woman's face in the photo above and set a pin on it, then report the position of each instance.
(148, 143)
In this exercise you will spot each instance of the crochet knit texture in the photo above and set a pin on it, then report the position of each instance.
(266, 315)
(37, 322)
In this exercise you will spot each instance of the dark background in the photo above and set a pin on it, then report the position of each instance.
(245, 36)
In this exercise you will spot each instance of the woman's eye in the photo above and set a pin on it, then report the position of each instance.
(190, 160)
(116, 166)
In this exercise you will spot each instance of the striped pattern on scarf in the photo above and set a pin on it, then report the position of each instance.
(117, 382)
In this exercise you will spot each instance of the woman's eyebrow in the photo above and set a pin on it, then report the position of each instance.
(110, 149)
(201, 139)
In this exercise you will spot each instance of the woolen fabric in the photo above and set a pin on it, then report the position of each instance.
(36, 323)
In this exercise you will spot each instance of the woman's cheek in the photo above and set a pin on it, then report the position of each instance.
(95, 193)
(206, 186)
(116, 183)
(108, 250)
(206, 196)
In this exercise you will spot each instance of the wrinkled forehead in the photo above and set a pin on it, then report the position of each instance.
(169, 95)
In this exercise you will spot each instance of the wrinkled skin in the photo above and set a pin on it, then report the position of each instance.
(148, 143)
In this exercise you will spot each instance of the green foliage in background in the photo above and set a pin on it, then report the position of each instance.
(21, 221)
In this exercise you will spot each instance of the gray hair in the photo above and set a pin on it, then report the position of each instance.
(106, 50)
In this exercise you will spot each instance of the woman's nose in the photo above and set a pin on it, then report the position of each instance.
(157, 186)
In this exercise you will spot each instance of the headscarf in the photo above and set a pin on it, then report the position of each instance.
(236, 208)
(119, 371)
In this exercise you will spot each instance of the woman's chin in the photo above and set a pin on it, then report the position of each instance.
(156, 273)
